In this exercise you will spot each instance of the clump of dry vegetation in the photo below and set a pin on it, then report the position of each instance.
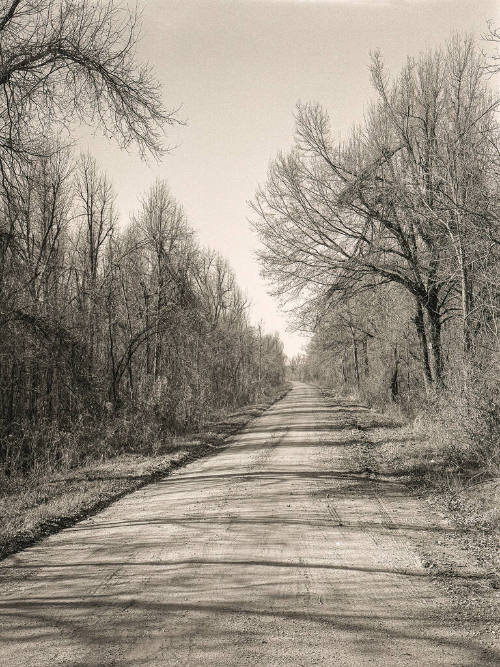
(57, 492)
(463, 426)
(449, 450)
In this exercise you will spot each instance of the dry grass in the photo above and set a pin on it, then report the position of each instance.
(450, 445)
(37, 505)
(450, 452)
(432, 461)
(423, 463)
(47, 500)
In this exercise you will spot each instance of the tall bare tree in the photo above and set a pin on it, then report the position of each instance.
(403, 201)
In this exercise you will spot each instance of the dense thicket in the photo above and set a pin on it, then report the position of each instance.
(101, 323)
(96, 320)
(388, 244)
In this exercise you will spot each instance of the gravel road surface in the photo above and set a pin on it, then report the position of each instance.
(270, 552)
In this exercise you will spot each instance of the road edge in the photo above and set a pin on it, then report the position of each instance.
(25, 539)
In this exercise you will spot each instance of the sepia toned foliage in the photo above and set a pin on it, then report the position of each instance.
(105, 329)
(386, 245)
(98, 322)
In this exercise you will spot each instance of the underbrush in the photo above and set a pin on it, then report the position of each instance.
(44, 447)
(463, 425)
(455, 433)
(446, 445)
(74, 474)
(462, 435)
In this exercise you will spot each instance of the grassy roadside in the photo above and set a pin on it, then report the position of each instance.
(43, 503)
(471, 508)
(389, 449)
(472, 505)
(408, 453)
(416, 455)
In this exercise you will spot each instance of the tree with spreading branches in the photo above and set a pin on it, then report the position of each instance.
(63, 61)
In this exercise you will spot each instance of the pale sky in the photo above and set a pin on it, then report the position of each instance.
(237, 69)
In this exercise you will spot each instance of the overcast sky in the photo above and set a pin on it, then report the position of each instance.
(237, 69)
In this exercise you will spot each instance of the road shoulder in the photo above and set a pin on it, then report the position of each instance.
(463, 558)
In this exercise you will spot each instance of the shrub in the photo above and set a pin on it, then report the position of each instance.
(463, 423)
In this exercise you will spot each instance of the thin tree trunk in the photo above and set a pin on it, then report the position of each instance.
(467, 302)
(148, 335)
(356, 361)
(395, 376)
(408, 373)
(366, 364)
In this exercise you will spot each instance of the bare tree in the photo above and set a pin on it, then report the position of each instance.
(169, 243)
(403, 201)
(68, 60)
(96, 217)
(493, 36)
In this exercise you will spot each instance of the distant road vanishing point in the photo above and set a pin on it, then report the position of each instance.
(271, 552)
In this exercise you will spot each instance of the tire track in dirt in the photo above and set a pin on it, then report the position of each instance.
(274, 552)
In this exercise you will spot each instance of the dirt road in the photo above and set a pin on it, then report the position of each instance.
(271, 552)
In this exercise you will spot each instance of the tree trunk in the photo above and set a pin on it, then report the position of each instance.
(466, 294)
(395, 376)
(467, 303)
(422, 336)
(356, 361)
(366, 365)
(434, 319)
(344, 371)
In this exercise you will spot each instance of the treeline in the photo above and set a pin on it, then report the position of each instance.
(95, 317)
(388, 243)
(109, 332)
